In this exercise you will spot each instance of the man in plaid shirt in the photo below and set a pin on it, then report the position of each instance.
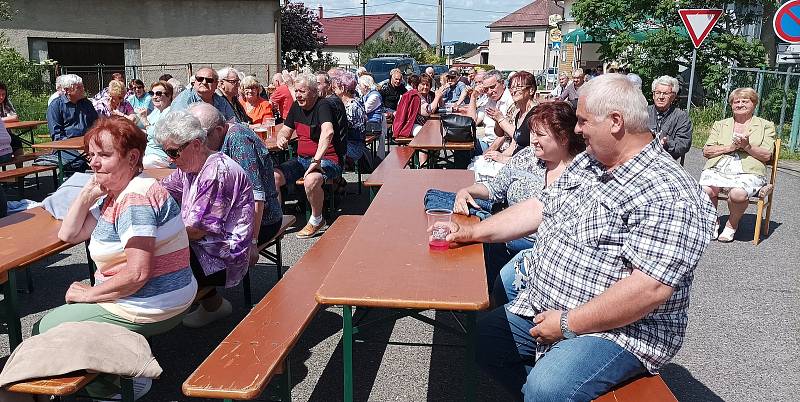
(619, 236)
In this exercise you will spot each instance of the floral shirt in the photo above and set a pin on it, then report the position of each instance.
(522, 178)
(219, 200)
(244, 147)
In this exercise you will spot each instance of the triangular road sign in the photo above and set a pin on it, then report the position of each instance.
(699, 22)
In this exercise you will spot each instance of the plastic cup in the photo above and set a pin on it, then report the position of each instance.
(269, 124)
(438, 221)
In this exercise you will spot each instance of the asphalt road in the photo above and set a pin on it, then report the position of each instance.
(741, 343)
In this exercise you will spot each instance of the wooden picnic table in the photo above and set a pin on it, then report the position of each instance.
(429, 140)
(26, 127)
(69, 144)
(27, 237)
(387, 263)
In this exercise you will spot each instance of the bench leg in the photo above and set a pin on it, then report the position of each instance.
(127, 389)
(10, 310)
(469, 362)
(285, 382)
(279, 259)
(347, 351)
(248, 297)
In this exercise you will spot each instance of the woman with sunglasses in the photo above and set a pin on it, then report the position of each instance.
(140, 99)
(154, 156)
(513, 129)
(217, 207)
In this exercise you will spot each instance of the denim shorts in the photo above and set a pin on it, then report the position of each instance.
(294, 169)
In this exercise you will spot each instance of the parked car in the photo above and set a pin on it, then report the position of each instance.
(380, 67)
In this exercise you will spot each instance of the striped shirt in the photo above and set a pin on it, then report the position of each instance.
(144, 209)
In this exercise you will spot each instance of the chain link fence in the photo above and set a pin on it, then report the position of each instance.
(778, 99)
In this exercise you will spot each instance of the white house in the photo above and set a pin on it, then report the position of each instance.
(519, 41)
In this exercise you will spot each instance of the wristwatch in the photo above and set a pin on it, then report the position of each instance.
(317, 161)
(565, 331)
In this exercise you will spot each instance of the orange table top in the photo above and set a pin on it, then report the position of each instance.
(25, 124)
(387, 262)
(27, 236)
(74, 143)
(430, 137)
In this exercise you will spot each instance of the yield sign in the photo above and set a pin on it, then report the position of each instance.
(699, 22)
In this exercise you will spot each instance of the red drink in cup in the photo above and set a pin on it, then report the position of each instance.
(438, 221)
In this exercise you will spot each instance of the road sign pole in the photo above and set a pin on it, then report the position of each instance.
(691, 81)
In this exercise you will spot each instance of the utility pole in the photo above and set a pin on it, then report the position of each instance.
(363, 27)
(439, 22)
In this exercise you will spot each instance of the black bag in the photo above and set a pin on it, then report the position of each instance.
(457, 128)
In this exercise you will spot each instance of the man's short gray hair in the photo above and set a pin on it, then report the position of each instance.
(208, 115)
(614, 92)
(224, 72)
(671, 82)
(213, 72)
(69, 80)
(635, 79)
(179, 127)
(578, 72)
(60, 82)
(310, 81)
(494, 73)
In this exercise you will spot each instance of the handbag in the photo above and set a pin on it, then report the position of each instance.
(457, 128)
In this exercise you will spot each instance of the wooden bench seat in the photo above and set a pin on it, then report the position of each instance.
(22, 172)
(244, 362)
(645, 388)
(59, 386)
(402, 140)
(274, 257)
(23, 158)
(396, 160)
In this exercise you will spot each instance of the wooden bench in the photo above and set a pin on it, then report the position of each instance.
(66, 385)
(258, 348)
(19, 159)
(396, 160)
(20, 173)
(274, 257)
(645, 388)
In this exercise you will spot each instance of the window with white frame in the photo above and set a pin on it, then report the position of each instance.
(505, 37)
(529, 37)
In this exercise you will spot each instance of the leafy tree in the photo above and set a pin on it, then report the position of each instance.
(302, 37)
(395, 41)
(461, 48)
(649, 35)
(324, 63)
(6, 10)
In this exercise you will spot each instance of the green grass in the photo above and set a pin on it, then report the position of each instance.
(704, 117)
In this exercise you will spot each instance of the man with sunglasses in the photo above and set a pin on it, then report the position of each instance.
(320, 148)
(206, 83)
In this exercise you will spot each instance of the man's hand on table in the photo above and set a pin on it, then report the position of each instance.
(281, 142)
(459, 234)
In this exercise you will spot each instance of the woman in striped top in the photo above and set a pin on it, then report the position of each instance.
(136, 238)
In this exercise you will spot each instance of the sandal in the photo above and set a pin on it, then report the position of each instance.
(727, 234)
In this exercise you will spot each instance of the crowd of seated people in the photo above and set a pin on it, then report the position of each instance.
(556, 253)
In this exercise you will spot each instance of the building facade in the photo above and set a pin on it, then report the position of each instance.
(344, 34)
(147, 32)
(519, 41)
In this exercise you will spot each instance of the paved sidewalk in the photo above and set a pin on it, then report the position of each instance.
(741, 345)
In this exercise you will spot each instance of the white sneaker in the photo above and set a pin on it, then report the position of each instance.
(141, 386)
(201, 317)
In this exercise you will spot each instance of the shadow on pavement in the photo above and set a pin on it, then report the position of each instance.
(685, 387)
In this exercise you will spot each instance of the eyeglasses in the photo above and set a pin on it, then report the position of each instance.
(236, 81)
(158, 93)
(200, 79)
(176, 153)
(659, 93)
(515, 89)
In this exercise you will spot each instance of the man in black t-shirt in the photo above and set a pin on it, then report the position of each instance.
(319, 147)
(393, 90)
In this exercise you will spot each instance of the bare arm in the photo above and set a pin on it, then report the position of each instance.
(79, 223)
(284, 136)
(518, 220)
(139, 256)
(711, 151)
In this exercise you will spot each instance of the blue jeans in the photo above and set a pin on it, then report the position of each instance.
(578, 369)
(503, 291)
(294, 169)
(496, 256)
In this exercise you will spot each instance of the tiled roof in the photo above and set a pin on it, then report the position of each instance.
(346, 31)
(534, 14)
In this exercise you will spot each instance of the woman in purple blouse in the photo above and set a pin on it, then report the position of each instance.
(216, 200)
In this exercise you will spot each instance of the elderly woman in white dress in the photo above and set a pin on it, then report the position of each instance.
(737, 150)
